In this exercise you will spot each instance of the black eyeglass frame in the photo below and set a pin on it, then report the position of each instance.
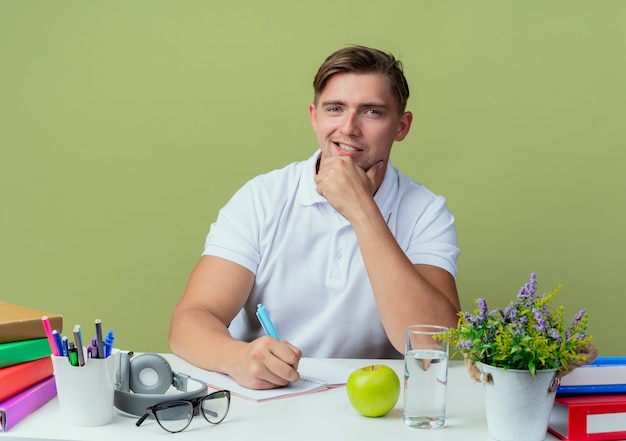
(197, 408)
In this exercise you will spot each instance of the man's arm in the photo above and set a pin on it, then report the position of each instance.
(405, 294)
(216, 292)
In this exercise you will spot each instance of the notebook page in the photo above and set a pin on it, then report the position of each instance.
(221, 381)
(333, 373)
(315, 375)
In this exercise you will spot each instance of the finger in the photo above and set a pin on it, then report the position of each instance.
(298, 354)
(270, 374)
(274, 375)
(265, 380)
(285, 363)
(278, 378)
(275, 360)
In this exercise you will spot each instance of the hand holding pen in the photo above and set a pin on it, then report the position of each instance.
(282, 352)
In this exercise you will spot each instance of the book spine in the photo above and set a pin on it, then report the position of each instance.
(577, 423)
(603, 371)
(16, 408)
(615, 360)
(591, 389)
(23, 351)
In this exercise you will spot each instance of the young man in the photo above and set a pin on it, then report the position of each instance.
(342, 249)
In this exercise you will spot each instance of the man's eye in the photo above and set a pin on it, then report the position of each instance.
(373, 112)
(333, 109)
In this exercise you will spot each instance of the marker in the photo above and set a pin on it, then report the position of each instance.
(92, 349)
(65, 342)
(108, 343)
(266, 322)
(58, 341)
(80, 332)
(79, 346)
(48, 329)
(73, 354)
(99, 341)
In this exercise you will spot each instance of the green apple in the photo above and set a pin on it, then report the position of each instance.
(373, 390)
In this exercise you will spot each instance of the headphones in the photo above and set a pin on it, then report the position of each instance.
(137, 387)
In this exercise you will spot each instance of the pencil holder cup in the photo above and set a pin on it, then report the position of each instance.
(86, 392)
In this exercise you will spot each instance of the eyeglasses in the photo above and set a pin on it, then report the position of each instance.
(176, 415)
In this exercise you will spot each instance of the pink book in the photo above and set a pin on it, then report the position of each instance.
(15, 409)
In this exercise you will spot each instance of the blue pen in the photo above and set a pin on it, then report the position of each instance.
(266, 322)
(65, 341)
(58, 341)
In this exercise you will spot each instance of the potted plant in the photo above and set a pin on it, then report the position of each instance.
(519, 353)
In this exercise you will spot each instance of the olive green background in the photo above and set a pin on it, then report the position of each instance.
(126, 124)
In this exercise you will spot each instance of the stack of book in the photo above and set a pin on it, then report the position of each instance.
(590, 402)
(26, 375)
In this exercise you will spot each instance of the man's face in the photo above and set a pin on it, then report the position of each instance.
(356, 116)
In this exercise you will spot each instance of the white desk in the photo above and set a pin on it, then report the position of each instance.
(325, 416)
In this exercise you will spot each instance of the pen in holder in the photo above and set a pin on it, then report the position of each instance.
(86, 392)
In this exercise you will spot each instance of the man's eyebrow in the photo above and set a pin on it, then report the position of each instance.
(333, 103)
(374, 104)
(377, 105)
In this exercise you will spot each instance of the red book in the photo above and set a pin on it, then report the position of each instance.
(589, 418)
(19, 377)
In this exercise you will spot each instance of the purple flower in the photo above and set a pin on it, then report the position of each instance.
(496, 313)
(541, 322)
(482, 308)
(472, 320)
(554, 333)
(527, 293)
(520, 325)
(579, 316)
(510, 313)
(527, 334)
(464, 344)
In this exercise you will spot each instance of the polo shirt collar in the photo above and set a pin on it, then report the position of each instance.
(308, 195)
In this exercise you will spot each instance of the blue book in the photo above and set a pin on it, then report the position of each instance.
(604, 376)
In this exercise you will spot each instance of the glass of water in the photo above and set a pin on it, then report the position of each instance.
(425, 376)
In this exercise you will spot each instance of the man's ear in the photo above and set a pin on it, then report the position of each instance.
(405, 125)
(312, 116)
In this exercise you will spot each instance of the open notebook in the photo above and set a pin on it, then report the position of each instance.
(315, 375)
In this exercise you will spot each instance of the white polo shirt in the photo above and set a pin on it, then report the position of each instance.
(310, 275)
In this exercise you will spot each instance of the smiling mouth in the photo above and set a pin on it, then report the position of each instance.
(348, 148)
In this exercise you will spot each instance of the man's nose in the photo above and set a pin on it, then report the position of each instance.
(350, 125)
